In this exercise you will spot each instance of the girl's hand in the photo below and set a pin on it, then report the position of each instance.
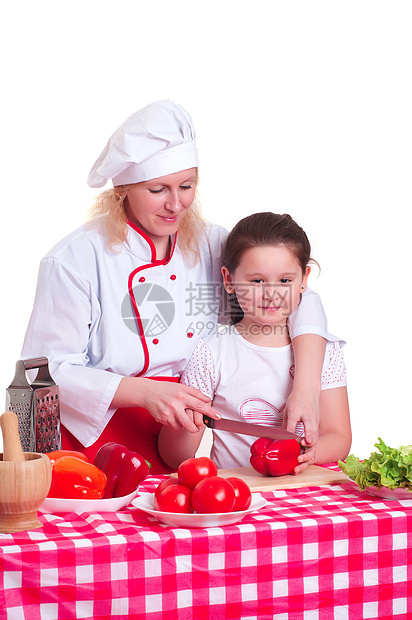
(167, 402)
(197, 418)
(177, 446)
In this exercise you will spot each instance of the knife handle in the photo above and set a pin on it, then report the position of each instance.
(209, 422)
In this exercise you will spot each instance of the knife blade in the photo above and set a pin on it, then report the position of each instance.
(246, 428)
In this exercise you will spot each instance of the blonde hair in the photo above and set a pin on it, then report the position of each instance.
(108, 214)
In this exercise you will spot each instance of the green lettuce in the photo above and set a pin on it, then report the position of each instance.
(390, 467)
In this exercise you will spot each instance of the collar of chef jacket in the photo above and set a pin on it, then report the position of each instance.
(141, 246)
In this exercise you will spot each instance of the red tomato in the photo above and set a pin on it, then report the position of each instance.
(213, 494)
(58, 454)
(243, 494)
(164, 484)
(192, 471)
(174, 498)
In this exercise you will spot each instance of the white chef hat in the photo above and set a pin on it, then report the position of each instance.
(155, 141)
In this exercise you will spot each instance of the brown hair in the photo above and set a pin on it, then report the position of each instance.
(262, 229)
(108, 214)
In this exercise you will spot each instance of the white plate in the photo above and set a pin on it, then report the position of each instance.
(145, 502)
(384, 492)
(111, 504)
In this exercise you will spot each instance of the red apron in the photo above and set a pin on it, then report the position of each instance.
(133, 427)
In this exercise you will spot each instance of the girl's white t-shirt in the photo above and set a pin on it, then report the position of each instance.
(250, 383)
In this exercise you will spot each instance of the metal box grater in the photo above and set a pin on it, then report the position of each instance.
(37, 406)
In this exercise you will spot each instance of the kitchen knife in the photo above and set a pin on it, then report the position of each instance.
(245, 428)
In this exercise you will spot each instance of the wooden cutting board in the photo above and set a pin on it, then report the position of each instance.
(312, 476)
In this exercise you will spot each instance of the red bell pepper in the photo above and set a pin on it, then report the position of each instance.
(57, 454)
(124, 469)
(77, 479)
(274, 458)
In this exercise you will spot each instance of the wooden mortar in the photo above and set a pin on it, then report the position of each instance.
(25, 479)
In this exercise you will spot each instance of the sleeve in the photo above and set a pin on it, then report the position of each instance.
(334, 369)
(200, 371)
(65, 313)
(217, 239)
(310, 318)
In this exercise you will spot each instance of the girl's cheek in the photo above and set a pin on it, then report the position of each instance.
(295, 302)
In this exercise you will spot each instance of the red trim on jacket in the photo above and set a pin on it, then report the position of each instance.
(146, 238)
(154, 263)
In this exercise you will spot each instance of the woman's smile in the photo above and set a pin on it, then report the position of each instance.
(168, 218)
(270, 308)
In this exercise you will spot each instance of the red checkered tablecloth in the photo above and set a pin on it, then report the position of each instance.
(316, 553)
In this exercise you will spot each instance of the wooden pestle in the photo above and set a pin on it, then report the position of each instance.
(12, 450)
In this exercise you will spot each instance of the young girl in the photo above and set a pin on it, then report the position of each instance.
(247, 368)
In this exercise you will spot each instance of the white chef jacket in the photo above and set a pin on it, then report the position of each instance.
(250, 383)
(100, 315)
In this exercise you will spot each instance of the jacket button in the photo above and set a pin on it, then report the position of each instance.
(142, 279)
(155, 341)
(173, 277)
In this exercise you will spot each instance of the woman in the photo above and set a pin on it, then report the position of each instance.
(122, 302)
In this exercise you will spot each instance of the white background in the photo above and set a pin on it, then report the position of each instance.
(300, 107)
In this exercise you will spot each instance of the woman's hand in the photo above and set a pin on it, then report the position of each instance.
(307, 457)
(166, 401)
(303, 407)
(334, 438)
(303, 403)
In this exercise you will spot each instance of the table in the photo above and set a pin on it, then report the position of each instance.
(311, 553)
